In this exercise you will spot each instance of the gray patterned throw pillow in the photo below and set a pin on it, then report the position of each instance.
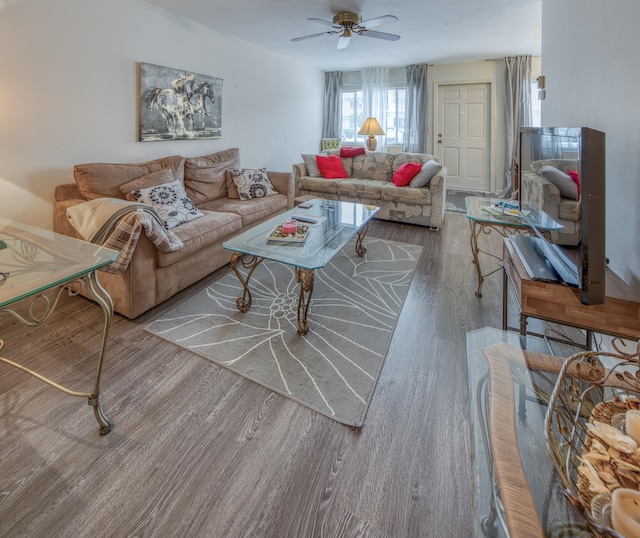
(252, 183)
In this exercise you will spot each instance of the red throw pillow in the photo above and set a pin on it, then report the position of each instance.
(573, 174)
(347, 152)
(331, 167)
(406, 173)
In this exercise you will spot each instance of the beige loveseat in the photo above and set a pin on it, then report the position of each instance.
(369, 182)
(154, 276)
(556, 199)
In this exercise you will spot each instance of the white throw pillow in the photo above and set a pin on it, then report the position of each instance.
(311, 164)
(566, 185)
(252, 183)
(426, 174)
(171, 201)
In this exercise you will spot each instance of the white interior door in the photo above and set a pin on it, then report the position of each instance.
(464, 135)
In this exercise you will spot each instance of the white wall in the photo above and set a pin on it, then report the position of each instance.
(590, 61)
(69, 94)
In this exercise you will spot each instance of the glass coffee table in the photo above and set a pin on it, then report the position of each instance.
(482, 221)
(517, 491)
(336, 224)
(36, 267)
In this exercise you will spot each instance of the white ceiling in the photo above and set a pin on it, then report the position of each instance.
(432, 31)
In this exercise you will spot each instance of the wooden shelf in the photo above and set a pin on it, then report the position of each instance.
(618, 316)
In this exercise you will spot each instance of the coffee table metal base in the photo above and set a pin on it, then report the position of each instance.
(304, 276)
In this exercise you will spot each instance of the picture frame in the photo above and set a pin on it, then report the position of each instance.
(176, 104)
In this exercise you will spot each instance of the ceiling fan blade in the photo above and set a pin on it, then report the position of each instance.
(380, 35)
(343, 42)
(311, 36)
(326, 23)
(379, 20)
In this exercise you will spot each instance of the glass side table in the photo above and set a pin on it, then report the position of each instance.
(517, 492)
(36, 267)
(483, 221)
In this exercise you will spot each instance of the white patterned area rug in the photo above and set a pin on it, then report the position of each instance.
(334, 368)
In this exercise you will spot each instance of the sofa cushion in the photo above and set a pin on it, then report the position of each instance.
(426, 174)
(408, 195)
(318, 184)
(150, 180)
(404, 157)
(570, 210)
(361, 189)
(196, 234)
(566, 185)
(373, 165)
(251, 211)
(331, 167)
(103, 180)
(252, 183)
(170, 199)
(403, 175)
(205, 177)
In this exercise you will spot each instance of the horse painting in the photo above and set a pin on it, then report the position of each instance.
(179, 105)
(173, 103)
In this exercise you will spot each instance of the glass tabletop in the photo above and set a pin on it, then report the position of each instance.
(495, 358)
(33, 259)
(337, 223)
(483, 210)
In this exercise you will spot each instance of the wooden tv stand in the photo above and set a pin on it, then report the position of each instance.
(619, 315)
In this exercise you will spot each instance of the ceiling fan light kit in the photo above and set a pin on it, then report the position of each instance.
(347, 23)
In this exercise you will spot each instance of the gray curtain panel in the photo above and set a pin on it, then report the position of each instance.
(517, 111)
(332, 120)
(415, 127)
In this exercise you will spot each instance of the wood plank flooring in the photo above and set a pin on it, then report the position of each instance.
(199, 451)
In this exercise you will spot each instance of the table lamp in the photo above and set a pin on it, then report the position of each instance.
(371, 128)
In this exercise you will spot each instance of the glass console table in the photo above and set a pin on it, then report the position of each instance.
(517, 492)
(36, 267)
(483, 221)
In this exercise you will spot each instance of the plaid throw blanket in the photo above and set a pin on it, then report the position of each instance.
(117, 224)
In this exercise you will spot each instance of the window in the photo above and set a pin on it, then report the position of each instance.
(395, 115)
(353, 115)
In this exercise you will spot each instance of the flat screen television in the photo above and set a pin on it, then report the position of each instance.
(578, 153)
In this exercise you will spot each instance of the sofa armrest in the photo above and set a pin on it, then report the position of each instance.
(68, 191)
(61, 223)
(541, 192)
(299, 170)
(438, 186)
(283, 183)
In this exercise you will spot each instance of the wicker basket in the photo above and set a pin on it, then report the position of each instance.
(591, 386)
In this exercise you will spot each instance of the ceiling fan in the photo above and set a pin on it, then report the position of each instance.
(347, 23)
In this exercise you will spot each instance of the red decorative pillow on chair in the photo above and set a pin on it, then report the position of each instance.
(573, 174)
(331, 167)
(347, 152)
(406, 173)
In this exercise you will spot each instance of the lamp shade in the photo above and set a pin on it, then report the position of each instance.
(371, 127)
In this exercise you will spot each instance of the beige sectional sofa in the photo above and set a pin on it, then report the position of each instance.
(554, 200)
(369, 182)
(154, 276)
